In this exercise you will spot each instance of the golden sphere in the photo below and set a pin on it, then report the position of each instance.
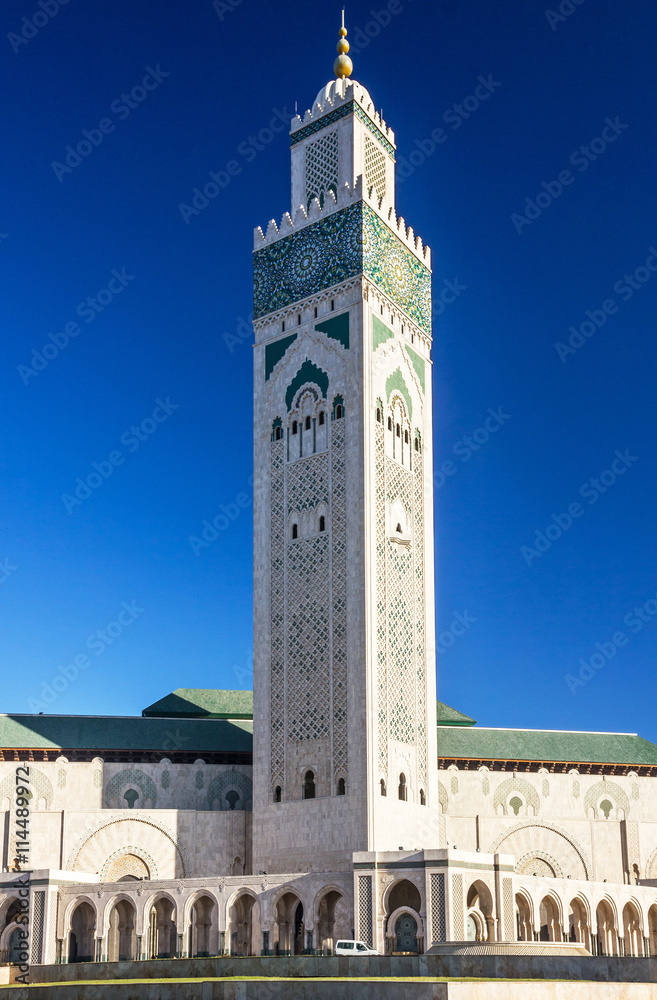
(343, 46)
(343, 66)
(343, 32)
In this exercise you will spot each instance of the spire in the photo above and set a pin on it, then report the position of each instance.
(343, 65)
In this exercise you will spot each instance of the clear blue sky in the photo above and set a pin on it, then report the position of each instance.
(215, 77)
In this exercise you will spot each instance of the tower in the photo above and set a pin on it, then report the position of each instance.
(344, 657)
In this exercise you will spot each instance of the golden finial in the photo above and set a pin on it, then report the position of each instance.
(343, 65)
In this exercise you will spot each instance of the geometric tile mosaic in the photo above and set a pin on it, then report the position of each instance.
(346, 243)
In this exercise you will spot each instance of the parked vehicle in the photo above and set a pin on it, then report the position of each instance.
(354, 948)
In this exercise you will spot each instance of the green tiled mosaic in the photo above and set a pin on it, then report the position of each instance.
(347, 243)
(333, 116)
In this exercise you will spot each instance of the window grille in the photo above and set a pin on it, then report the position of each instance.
(375, 168)
(322, 168)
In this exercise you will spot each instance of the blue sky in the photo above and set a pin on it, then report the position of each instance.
(537, 197)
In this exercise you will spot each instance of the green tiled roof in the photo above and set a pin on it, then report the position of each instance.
(203, 702)
(448, 716)
(535, 745)
(88, 732)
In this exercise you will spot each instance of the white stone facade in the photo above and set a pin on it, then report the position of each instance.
(359, 821)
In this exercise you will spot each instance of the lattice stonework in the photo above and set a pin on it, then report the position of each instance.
(401, 668)
(277, 684)
(339, 598)
(458, 928)
(438, 908)
(375, 168)
(508, 908)
(127, 864)
(308, 612)
(308, 654)
(38, 921)
(307, 482)
(420, 657)
(365, 909)
(381, 643)
(322, 167)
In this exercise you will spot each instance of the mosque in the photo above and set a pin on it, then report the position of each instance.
(341, 799)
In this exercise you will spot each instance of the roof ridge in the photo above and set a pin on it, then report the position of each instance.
(572, 732)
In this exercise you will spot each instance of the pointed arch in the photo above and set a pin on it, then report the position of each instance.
(606, 790)
(396, 381)
(308, 372)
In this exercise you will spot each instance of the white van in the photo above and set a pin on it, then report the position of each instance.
(354, 948)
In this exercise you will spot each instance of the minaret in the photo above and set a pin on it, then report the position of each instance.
(344, 657)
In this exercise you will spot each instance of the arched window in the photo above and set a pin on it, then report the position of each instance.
(338, 412)
(322, 523)
(406, 437)
(315, 312)
(378, 415)
(321, 418)
(417, 446)
(299, 320)
(398, 430)
(398, 529)
(423, 798)
(403, 791)
(295, 531)
(389, 423)
(278, 434)
(309, 785)
(277, 793)
(341, 786)
(384, 790)
(294, 427)
(332, 305)
(307, 423)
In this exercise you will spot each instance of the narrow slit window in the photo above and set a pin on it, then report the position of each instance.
(389, 423)
(405, 437)
(277, 793)
(322, 523)
(294, 427)
(398, 430)
(309, 785)
(295, 531)
(321, 418)
(384, 790)
(341, 786)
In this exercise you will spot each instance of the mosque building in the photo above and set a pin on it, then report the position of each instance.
(341, 800)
